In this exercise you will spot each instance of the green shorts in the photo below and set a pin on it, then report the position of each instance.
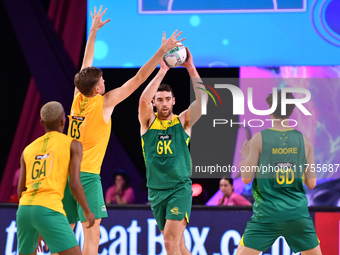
(299, 234)
(171, 204)
(53, 226)
(94, 196)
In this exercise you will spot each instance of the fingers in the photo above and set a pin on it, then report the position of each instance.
(101, 15)
(178, 34)
(100, 9)
(163, 38)
(173, 34)
(91, 14)
(106, 21)
(180, 40)
(95, 11)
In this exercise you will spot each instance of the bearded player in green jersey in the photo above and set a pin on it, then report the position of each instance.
(165, 137)
(281, 206)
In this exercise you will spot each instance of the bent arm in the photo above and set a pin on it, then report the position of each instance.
(190, 116)
(22, 178)
(251, 151)
(145, 111)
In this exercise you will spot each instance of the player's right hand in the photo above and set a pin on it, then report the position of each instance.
(97, 18)
(162, 65)
(170, 43)
(90, 219)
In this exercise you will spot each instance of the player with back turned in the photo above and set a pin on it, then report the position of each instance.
(281, 205)
(45, 166)
(90, 123)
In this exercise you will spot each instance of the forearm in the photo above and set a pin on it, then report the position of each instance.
(145, 71)
(152, 87)
(79, 194)
(89, 49)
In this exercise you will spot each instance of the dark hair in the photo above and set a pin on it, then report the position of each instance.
(230, 180)
(86, 79)
(277, 112)
(125, 176)
(165, 87)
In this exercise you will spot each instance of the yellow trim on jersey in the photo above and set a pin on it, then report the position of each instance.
(281, 130)
(241, 242)
(164, 124)
(143, 149)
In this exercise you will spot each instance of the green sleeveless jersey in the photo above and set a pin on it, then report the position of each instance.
(278, 186)
(166, 154)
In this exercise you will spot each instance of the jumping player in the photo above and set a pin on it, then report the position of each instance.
(90, 123)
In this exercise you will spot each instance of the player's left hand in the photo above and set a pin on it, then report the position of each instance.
(189, 61)
(245, 149)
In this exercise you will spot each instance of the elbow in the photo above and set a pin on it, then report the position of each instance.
(311, 184)
(247, 180)
(74, 185)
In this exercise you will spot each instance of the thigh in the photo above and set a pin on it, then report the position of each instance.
(300, 235)
(54, 229)
(174, 229)
(179, 204)
(70, 205)
(158, 207)
(26, 233)
(94, 196)
(260, 236)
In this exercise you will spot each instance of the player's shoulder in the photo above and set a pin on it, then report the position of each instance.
(257, 136)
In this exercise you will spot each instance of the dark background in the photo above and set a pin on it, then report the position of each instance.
(15, 77)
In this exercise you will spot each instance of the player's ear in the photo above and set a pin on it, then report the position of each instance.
(153, 102)
(173, 101)
(42, 123)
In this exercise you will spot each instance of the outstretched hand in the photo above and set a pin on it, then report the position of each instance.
(170, 43)
(97, 18)
(188, 62)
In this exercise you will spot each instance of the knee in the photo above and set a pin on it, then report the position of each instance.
(169, 244)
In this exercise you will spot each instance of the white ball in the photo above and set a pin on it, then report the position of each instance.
(176, 56)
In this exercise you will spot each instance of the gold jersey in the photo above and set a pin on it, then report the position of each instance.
(47, 162)
(87, 125)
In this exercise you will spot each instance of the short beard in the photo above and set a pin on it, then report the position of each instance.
(160, 114)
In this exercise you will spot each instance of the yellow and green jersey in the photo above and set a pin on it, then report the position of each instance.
(87, 125)
(47, 162)
(166, 154)
(278, 186)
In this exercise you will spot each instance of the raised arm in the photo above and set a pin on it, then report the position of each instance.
(89, 49)
(145, 109)
(309, 174)
(22, 177)
(251, 150)
(75, 184)
(194, 112)
(114, 97)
